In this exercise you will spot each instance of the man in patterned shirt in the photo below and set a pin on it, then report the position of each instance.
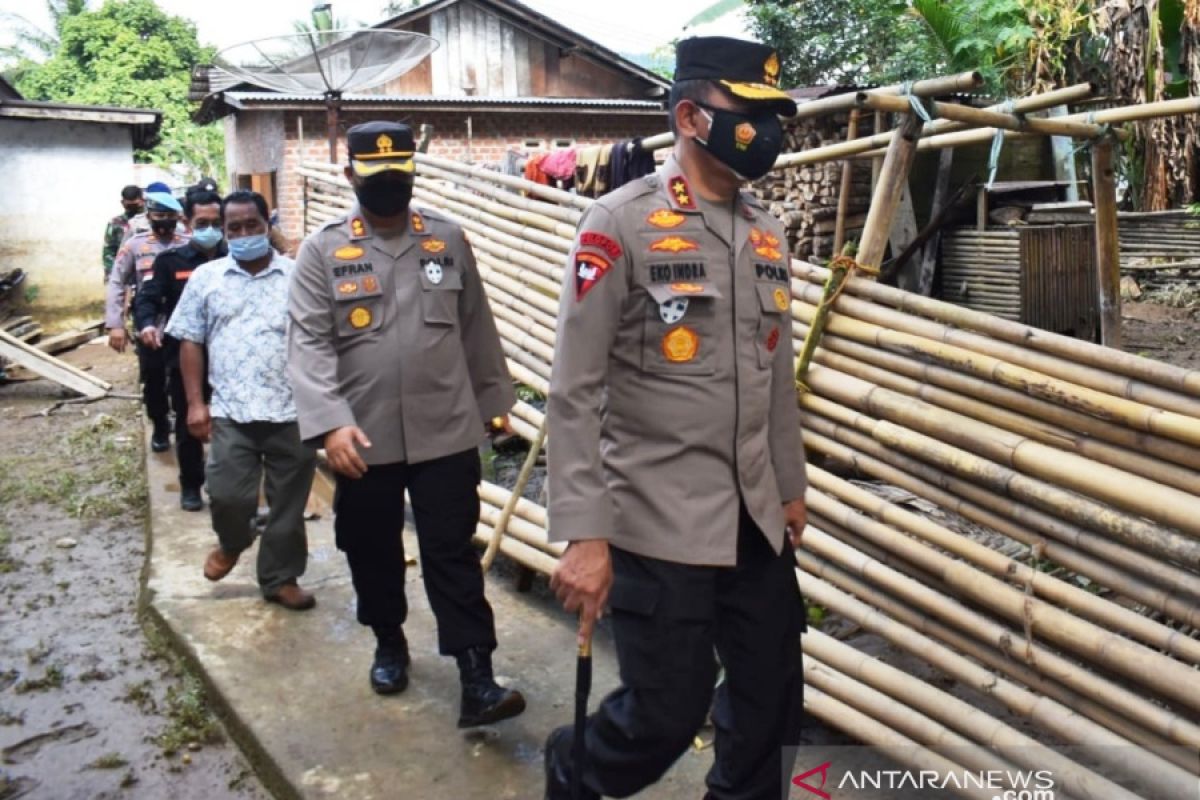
(235, 310)
(118, 226)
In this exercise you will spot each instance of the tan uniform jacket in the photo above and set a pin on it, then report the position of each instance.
(672, 391)
(133, 265)
(394, 335)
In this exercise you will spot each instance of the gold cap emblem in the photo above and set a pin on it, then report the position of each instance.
(384, 143)
(771, 70)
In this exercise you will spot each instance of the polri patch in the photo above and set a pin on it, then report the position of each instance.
(665, 218)
(600, 242)
(589, 269)
(348, 253)
(771, 272)
(680, 345)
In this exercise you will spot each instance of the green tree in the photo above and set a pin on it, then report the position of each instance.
(845, 41)
(130, 53)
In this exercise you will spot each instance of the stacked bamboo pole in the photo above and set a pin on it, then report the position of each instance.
(1069, 454)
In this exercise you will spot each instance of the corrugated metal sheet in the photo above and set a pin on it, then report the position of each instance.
(1058, 279)
(1043, 276)
(239, 99)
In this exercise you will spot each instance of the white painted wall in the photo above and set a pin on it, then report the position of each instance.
(61, 184)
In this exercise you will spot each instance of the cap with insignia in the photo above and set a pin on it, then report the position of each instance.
(376, 147)
(158, 186)
(162, 201)
(746, 70)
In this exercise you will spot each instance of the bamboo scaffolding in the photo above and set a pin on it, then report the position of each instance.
(1002, 479)
(1088, 389)
(1142, 710)
(1174, 588)
(1108, 116)
(437, 194)
(982, 117)
(557, 196)
(876, 688)
(536, 212)
(950, 84)
(1076, 718)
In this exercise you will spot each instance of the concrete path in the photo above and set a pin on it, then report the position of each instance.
(293, 687)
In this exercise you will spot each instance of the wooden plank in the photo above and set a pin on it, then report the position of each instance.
(439, 58)
(467, 42)
(453, 60)
(70, 339)
(521, 58)
(48, 367)
(538, 80)
(508, 45)
(928, 264)
(35, 353)
(904, 225)
(494, 58)
(893, 178)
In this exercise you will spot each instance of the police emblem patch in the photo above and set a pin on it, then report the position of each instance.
(782, 301)
(589, 269)
(665, 218)
(673, 310)
(433, 271)
(743, 135)
(370, 284)
(360, 317)
(771, 70)
(680, 345)
(433, 245)
(673, 244)
(348, 253)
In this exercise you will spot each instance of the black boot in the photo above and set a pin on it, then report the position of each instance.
(558, 767)
(160, 438)
(389, 672)
(483, 700)
(190, 500)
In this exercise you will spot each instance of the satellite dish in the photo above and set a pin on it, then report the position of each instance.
(326, 63)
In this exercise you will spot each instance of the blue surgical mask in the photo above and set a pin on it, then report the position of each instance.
(249, 248)
(207, 238)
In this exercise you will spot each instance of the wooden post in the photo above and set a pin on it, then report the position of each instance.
(331, 123)
(839, 229)
(893, 177)
(1108, 257)
(877, 163)
(928, 265)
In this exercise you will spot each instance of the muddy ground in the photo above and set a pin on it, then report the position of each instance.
(92, 704)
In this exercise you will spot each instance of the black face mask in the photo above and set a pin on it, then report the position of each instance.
(162, 227)
(384, 196)
(747, 144)
(132, 211)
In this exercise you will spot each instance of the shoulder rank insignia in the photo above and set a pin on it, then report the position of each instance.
(665, 218)
(348, 253)
(358, 228)
(680, 345)
(589, 269)
(681, 192)
(433, 245)
(673, 244)
(418, 224)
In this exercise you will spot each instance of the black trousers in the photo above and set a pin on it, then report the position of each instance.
(152, 372)
(368, 520)
(189, 452)
(668, 619)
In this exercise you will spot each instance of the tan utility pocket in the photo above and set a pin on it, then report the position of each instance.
(440, 290)
(678, 334)
(358, 307)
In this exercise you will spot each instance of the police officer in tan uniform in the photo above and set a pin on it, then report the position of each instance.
(676, 464)
(397, 369)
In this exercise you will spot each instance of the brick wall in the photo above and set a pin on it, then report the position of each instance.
(492, 134)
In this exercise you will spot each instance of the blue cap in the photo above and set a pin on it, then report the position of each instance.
(162, 201)
(158, 186)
